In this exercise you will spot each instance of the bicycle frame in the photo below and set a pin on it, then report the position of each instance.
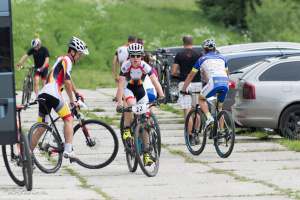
(75, 113)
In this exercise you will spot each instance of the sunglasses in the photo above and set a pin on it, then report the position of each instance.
(135, 56)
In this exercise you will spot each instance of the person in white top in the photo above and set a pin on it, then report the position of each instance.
(121, 55)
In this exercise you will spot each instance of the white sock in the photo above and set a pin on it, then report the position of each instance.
(68, 147)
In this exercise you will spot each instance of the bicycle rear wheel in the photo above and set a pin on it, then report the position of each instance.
(47, 155)
(27, 89)
(153, 150)
(131, 160)
(13, 163)
(224, 138)
(96, 144)
(166, 86)
(194, 124)
(27, 162)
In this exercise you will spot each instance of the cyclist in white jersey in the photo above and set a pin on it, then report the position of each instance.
(214, 71)
(121, 55)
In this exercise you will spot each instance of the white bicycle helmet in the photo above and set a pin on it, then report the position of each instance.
(135, 49)
(78, 45)
(209, 44)
(35, 42)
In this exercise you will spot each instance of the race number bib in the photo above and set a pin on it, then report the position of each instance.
(139, 109)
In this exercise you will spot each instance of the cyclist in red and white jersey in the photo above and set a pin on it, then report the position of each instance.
(131, 85)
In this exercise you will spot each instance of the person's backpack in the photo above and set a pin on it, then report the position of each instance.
(122, 54)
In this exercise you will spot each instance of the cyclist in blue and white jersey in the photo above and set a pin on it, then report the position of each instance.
(214, 72)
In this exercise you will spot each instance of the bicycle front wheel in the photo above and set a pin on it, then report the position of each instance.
(12, 161)
(194, 135)
(224, 134)
(131, 160)
(153, 150)
(27, 162)
(96, 144)
(47, 154)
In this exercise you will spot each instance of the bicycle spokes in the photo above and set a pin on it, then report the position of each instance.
(224, 135)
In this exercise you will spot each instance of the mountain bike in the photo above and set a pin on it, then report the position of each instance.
(95, 141)
(222, 131)
(27, 85)
(144, 122)
(17, 157)
(169, 85)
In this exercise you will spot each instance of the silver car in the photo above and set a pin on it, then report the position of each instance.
(268, 95)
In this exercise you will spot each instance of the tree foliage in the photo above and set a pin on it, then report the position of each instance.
(229, 12)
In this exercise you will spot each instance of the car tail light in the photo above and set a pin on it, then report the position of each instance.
(249, 91)
(231, 84)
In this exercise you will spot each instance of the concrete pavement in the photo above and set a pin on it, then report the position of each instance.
(255, 170)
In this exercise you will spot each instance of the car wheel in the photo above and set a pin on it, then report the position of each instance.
(290, 122)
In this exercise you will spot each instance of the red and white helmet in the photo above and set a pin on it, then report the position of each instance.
(135, 49)
(78, 45)
(35, 42)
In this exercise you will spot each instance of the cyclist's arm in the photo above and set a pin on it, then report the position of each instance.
(175, 66)
(189, 79)
(156, 85)
(120, 91)
(46, 62)
(22, 60)
(70, 89)
(174, 70)
(114, 67)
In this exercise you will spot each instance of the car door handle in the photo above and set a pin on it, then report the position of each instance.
(3, 107)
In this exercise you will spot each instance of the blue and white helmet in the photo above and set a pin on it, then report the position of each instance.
(135, 49)
(78, 45)
(35, 42)
(209, 44)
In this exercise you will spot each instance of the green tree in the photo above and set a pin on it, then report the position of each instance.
(229, 12)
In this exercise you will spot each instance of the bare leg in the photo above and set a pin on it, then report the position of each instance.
(36, 85)
(68, 130)
(128, 115)
(203, 105)
(36, 136)
(44, 81)
(221, 122)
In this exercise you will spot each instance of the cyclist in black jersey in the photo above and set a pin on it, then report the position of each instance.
(41, 62)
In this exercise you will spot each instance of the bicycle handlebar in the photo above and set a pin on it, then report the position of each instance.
(188, 92)
(129, 109)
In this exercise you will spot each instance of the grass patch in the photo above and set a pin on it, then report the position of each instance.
(293, 145)
(82, 180)
(182, 154)
(229, 173)
(168, 108)
(84, 183)
(97, 110)
(261, 135)
(104, 25)
(106, 119)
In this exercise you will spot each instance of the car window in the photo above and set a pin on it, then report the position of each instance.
(287, 71)
(5, 57)
(235, 64)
